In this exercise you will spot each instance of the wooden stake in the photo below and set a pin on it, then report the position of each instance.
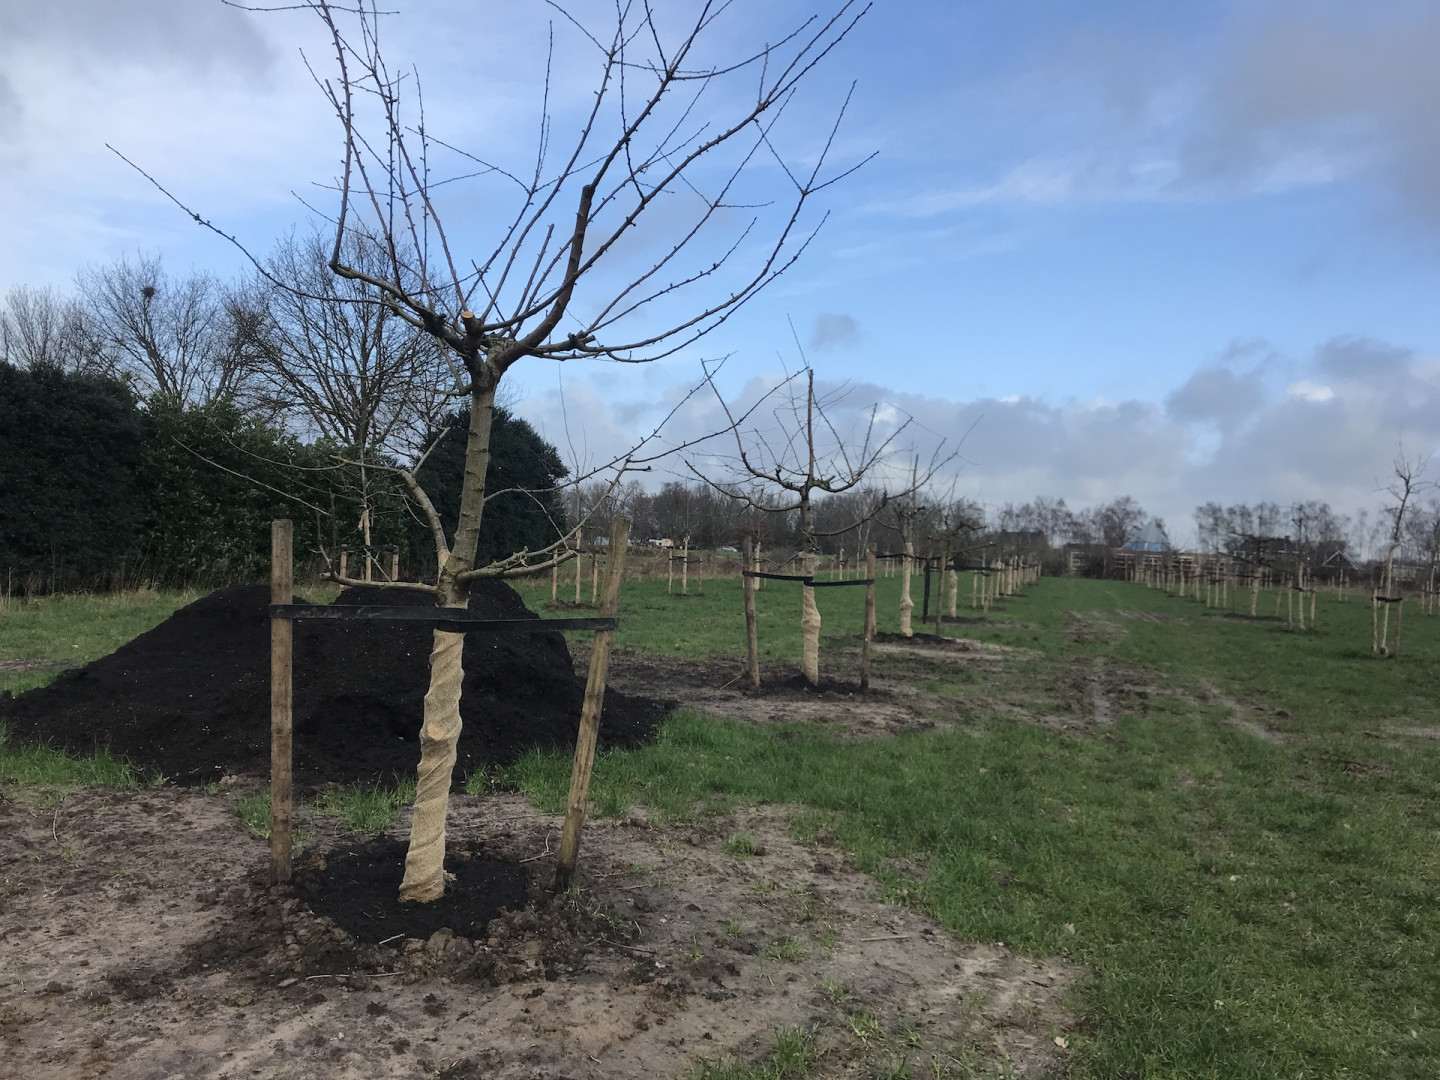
(282, 591)
(555, 583)
(590, 712)
(395, 566)
(751, 639)
(869, 618)
(594, 575)
(579, 563)
(685, 568)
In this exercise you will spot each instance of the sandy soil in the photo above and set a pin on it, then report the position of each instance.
(138, 939)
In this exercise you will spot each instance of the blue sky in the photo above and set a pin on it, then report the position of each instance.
(1177, 251)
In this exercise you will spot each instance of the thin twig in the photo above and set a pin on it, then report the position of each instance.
(542, 855)
(631, 948)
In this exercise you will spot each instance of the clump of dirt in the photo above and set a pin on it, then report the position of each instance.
(190, 699)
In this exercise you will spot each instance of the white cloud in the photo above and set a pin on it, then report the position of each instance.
(1305, 390)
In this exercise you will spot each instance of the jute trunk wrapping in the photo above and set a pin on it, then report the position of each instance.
(425, 862)
(907, 605)
(810, 627)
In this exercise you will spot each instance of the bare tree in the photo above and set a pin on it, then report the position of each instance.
(186, 337)
(1404, 486)
(332, 356)
(800, 454)
(649, 229)
(41, 329)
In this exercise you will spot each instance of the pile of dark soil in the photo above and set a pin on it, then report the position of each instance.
(191, 698)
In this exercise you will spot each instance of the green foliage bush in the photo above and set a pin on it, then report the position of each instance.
(100, 489)
(524, 507)
(71, 454)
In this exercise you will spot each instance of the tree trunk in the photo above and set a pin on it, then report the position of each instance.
(810, 625)
(907, 605)
(752, 644)
(869, 633)
(439, 735)
(440, 730)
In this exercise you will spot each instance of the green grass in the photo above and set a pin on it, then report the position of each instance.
(54, 771)
(714, 624)
(794, 1056)
(254, 812)
(367, 808)
(740, 845)
(68, 630)
(1245, 909)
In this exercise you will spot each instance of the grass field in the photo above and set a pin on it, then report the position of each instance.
(1243, 851)
(1253, 901)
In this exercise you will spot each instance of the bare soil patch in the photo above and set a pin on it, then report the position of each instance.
(139, 938)
(1156, 617)
(140, 941)
(1096, 691)
(12, 667)
(1246, 716)
(1092, 627)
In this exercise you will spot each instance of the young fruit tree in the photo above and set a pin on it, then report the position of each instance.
(650, 205)
(1403, 488)
(782, 467)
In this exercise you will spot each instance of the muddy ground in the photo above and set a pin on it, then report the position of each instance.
(138, 938)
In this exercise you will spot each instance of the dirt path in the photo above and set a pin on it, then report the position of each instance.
(137, 941)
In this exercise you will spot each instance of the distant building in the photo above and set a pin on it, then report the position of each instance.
(1150, 538)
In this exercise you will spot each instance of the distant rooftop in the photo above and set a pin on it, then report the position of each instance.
(1150, 538)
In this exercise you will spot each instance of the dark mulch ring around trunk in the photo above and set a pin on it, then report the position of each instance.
(934, 641)
(190, 699)
(795, 685)
(357, 887)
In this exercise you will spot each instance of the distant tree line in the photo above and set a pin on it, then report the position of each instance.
(152, 431)
(155, 423)
(103, 488)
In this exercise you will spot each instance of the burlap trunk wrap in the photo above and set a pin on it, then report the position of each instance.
(425, 862)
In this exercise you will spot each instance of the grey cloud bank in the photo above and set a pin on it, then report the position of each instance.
(1330, 432)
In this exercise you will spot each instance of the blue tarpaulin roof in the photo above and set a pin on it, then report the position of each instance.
(1150, 538)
